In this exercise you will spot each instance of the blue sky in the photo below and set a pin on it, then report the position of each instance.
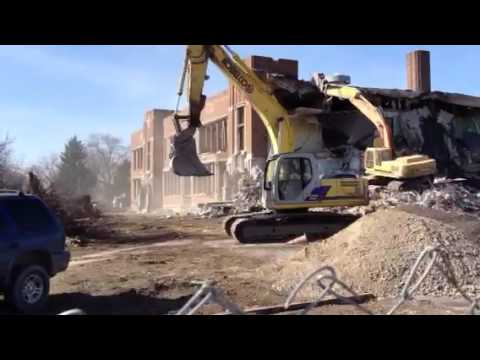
(50, 93)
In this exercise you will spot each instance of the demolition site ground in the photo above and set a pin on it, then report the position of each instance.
(144, 264)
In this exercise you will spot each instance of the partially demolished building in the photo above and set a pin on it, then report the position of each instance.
(444, 126)
(233, 142)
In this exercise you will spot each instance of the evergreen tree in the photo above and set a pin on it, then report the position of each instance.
(74, 178)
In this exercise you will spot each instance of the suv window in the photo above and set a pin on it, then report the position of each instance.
(29, 215)
(294, 175)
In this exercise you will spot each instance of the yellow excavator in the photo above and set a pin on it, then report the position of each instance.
(301, 172)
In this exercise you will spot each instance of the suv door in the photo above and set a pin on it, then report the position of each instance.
(8, 244)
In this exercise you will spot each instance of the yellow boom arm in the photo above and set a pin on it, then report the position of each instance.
(273, 115)
(365, 107)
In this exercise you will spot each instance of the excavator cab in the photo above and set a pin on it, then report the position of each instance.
(302, 180)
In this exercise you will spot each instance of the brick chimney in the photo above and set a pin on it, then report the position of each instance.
(418, 71)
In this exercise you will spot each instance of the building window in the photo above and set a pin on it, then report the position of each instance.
(138, 159)
(223, 135)
(240, 124)
(213, 137)
(149, 156)
(139, 156)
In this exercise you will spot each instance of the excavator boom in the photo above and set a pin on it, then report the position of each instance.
(184, 157)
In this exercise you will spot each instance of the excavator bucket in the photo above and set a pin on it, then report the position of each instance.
(183, 157)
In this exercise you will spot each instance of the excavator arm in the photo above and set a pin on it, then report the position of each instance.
(380, 161)
(370, 111)
(274, 116)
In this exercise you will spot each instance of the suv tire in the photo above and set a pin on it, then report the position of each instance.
(29, 288)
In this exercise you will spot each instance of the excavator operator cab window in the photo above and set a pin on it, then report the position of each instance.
(294, 175)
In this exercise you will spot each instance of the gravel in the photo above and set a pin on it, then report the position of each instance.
(376, 253)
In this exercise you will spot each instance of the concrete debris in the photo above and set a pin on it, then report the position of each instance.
(452, 198)
(447, 195)
(119, 202)
(305, 239)
(249, 195)
(299, 240)
(166, 213)
(75, 242)
(214, 210)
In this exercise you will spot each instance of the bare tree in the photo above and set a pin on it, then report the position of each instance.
(11, 175)
(47, 169)
(105, 154)
(5, 152)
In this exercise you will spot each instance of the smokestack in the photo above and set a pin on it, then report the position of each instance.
(418, 71)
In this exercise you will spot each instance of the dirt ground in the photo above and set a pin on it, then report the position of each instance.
(144, 265)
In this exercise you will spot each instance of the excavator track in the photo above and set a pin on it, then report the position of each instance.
(228, 222)
(278, 227)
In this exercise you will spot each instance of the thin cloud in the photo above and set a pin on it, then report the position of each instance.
(120, 80)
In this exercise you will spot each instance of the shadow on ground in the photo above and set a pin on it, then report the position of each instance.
(126, 303)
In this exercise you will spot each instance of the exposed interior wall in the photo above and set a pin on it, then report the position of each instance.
(448, 133)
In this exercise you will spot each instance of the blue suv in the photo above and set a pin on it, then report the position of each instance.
(32, 250)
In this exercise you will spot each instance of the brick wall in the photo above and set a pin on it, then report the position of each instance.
(147, 156)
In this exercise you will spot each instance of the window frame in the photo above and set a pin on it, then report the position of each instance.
(213, 136)
(302, 169)
(240, 127)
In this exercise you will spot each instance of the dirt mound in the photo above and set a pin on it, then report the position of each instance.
(376, 253)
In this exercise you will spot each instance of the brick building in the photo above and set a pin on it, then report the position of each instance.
(232, 141)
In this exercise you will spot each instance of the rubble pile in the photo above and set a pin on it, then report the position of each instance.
(451, 196)
(376, 253)
(249, 195)
(215, 210)
(76, 214)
